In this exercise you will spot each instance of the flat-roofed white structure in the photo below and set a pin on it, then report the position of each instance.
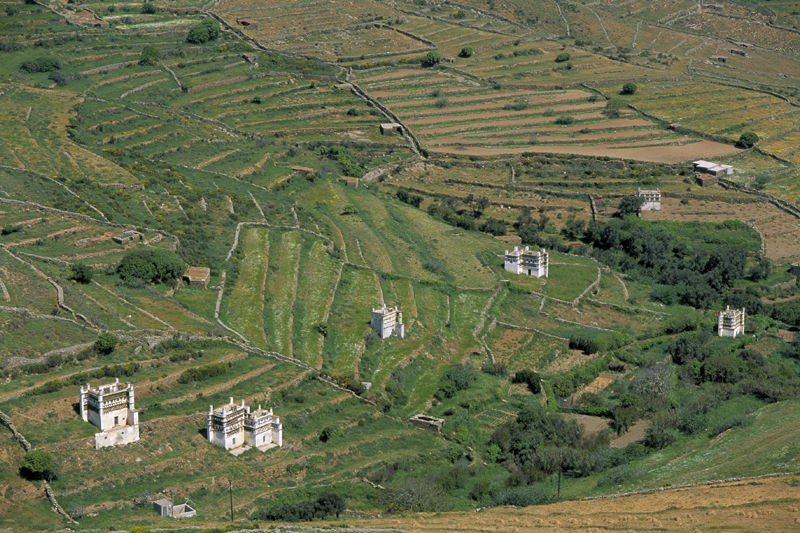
(234, 426)
(652, 199)
(731, 322)
(388, 321)
(110, 408)
(715, 169)
(528, 262)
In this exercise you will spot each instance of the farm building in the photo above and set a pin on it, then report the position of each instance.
(427, 422)
(528, 262)
(388, 321)
(128, 236)
(715, 169)
(237, 429)
(391, 127)
(110, 408)
(738, 52)
(303, 171)
(247, 23)
(343, 86)
(721, 59)
(705, 180)
(652, 199)
(165, 508)
(350, 182)
(197, 276)
(795, 270)
(731, 322)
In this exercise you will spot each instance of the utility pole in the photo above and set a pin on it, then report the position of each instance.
(560, 460)
(230, 489)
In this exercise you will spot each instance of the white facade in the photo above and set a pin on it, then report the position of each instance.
(652, 199)
(715, 169)
(528, 262)
(731, 322)
(234, 426)
(388, 321)
(110, 408)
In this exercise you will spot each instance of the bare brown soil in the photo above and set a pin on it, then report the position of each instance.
(591, 424)
(766, 506)
(503, 113)
(677, 153)
(636, 433)
(781, 231)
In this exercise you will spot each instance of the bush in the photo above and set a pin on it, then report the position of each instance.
(203, 373)
(455, 379)
(564, 120)
(40, 64)
(432, 58)
(562, 57)
(467, 51)
(80, 272)
(326, 504)
(38, 464)
(149, 9)
(748, 139)
(530, 378)
(629, 88)
(207, 30)
(105, 343)
(150, 264)
(150, 54)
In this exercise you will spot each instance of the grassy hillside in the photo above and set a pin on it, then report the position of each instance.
(230, 154)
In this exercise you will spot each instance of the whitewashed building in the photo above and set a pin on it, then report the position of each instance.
(235, 427)
(110, 408)
(388, 321)
(714, 169)
(528, 262)
(731, 322)
(652, 199)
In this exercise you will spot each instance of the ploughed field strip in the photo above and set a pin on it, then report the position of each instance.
(448, 110)
(724, 111)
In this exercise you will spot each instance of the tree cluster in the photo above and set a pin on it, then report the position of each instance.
(696, 277)
(324, 505)
(153, 265)
(207, 30)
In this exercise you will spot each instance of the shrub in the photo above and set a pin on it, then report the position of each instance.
(207, 30)
(203, 373)
(149, 9)
(150, 264)
(150, 54)
(105, 343)
(432, 58)
(40, 64)
(326, 504)
(81, 272)
(38, 464)
(747, 139)
(629, 88)
(564, 120)
(530, 378)
(562, 57)
(467, 51)
(455, 379)
(8, 230)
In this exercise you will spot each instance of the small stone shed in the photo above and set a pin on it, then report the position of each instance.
(197, 276)
(427, 422)
(165, 508)
(390, 127)
(128, 236)
(349, 181)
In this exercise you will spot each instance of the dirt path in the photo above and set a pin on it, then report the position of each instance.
(671, 154)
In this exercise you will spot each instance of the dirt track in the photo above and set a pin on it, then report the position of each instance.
(656, 154)
(764, 506)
